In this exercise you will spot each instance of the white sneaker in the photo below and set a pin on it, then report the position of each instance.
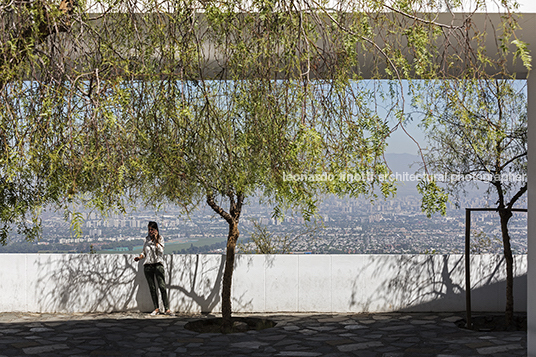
(155, 312)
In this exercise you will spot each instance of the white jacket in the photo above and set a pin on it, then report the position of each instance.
(153, 252)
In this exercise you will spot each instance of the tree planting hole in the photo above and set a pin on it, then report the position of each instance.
(240, 324)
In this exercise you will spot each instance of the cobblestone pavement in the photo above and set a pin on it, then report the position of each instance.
(138, 334)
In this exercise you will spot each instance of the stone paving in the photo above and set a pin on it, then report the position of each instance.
(306, 335)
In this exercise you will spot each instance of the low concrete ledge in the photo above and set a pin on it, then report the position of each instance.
(261, 283)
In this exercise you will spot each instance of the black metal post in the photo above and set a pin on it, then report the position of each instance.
(468, 267)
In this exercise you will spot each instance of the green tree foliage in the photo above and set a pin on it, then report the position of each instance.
(478, 133)
(214, 101)
(481, 243)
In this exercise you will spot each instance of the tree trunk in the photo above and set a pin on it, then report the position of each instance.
(505, 215)
(232, 218)
(228, 277)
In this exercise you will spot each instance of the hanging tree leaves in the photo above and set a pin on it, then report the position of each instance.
(214, 102)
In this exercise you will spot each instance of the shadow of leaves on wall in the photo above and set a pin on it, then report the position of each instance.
(83, 282)
(195, 281)
(368, 283)
(104, 283)
(435, 283)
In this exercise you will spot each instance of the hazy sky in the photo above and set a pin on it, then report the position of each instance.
(399, 141)
(527, 5)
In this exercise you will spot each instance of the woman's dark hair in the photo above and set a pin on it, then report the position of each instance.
(153, 225)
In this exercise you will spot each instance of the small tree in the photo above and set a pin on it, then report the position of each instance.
(478, 133)
(237, 140)
(264, 242)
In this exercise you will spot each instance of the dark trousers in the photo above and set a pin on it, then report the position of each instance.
(153, 271)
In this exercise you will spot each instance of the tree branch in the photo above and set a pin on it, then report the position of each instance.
(517, 196)
(218, 209)
(237, 207)
(429, 22)
(512, 160)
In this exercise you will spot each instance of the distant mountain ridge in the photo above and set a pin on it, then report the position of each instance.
(410, 164)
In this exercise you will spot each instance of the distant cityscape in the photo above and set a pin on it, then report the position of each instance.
(345, 226)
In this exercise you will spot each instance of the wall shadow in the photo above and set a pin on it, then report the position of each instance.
(412, 283)
(427, 283)
(106, 283)
(194, 281)
(83, 282)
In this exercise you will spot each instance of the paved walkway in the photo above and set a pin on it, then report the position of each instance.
(137, 334)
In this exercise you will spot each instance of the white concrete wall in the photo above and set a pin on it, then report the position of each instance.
(261, 283)
(531, 313)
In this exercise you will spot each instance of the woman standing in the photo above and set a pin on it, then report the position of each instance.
(153, 267)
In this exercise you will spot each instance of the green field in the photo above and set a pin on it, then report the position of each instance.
(169, 247)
